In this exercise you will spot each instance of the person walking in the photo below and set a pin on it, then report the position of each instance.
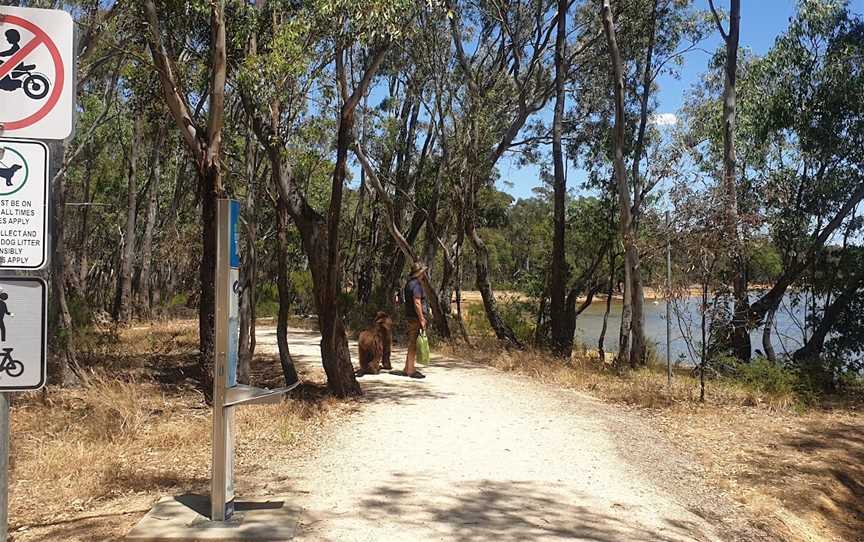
(414, 300)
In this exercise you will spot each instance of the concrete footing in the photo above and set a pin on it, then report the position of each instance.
(187, 518)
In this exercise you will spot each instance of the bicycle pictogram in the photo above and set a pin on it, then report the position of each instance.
(10, 365)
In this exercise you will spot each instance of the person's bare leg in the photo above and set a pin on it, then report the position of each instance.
(411, 357)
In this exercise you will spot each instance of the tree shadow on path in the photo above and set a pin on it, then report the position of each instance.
(515, 510)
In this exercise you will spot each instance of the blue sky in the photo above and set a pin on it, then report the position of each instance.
(761, 22)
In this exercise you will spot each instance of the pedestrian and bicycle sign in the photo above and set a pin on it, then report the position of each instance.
(36, 73)
(23, 204)
(23, 323)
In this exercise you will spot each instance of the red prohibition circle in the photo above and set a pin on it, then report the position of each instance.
(45, 40)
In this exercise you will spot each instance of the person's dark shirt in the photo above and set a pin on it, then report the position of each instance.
(4, 310)
(413, 289)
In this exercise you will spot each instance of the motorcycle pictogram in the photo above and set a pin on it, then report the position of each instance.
(23, 76)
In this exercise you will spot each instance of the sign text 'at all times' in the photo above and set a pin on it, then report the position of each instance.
(23, 199)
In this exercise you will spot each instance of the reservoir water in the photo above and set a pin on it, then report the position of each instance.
(787, 335)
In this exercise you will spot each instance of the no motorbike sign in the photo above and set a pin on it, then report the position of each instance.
(36, 83)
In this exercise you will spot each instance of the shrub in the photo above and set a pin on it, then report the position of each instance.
(179, 300)
(767, 377)
(266, 300)
(475, 320)
(518, 314)
(301, 283)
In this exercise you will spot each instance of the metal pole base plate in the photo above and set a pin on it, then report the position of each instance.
(187, 518)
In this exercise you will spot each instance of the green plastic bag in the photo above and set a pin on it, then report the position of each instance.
(422, 348)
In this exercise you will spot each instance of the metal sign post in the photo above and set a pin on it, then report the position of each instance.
(668, 298)
(225, 368)
(227, 393)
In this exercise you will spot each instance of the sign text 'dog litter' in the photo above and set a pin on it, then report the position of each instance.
(23, 204)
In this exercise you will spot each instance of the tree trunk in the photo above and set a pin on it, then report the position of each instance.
(638, 351)
(123, 306)
(145, 298)
(741, 346)
(431, 233)
(481, 264)
(740, 335)
(63, 359)
(248, 272)
(334, 341)
(631, 255)
(600, 342)
(321, 238)
(207, 277)
(767, 345)
(812, 349)
(205, 146)
(584, 285)
(364, 271)
(540, 335)
(638, 348)
(84, 260)
(562, 338)
(288, 369)
(458, 260)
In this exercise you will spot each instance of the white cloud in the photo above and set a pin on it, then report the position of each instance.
(664, 119)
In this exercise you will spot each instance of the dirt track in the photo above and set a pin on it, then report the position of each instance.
(473, 454)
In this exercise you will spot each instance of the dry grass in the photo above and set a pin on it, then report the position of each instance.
(643, 388)
(800, 473)
(137, 430)
(799, 470)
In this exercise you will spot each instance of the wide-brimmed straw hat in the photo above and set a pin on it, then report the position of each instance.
(417, 269)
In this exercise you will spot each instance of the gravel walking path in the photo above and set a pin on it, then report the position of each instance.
(474, 454)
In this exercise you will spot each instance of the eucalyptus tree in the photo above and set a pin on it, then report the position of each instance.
(166, 30)
(562, 337)
(409, 171)
(799, 144)
(740, 338)
(303, 48)
(123, 299)
(640, 50)
(505, 78)
(804, 104)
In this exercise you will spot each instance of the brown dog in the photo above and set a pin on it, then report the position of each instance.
(375, 343)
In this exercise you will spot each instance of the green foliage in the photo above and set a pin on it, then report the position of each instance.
(179, 300)
(301, 282)
(765, 376)
(372, 20)
(518, 313)
(266, 300)
(767, 262)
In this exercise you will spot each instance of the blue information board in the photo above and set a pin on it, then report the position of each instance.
(235, 235)
(236, 287)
